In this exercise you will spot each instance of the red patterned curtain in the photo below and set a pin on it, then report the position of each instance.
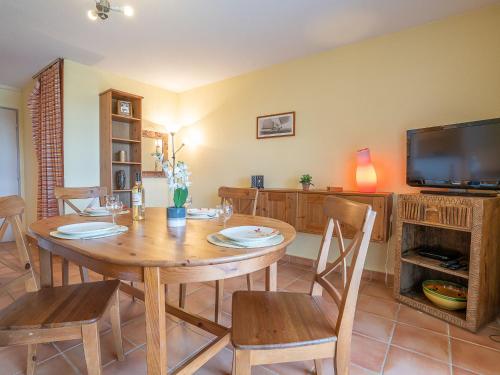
(46, 105)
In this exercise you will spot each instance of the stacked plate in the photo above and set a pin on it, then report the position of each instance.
(88, 230)
(201, 213)
(98, 211)
(95, 211)
(248, 236)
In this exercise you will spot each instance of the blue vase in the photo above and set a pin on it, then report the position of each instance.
(176, 216)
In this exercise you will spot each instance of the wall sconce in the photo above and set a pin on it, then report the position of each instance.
(366, 177)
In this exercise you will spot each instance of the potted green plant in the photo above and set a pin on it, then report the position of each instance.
(306, 181)
(177, 173)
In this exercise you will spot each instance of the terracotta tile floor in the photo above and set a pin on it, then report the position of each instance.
(389, 338)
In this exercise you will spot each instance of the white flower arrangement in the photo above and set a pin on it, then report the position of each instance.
(177, 176)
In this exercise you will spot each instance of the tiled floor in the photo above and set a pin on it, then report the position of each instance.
(389, 338)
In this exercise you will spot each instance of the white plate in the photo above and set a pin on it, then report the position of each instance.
(92, 210)
(86, 228)
(119, 229)
(220, 240)
(200, 217)
(201, 212)
(249, 233)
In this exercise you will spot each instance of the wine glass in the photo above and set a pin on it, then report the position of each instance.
(189, 202)
(227, 212)
(113, 205)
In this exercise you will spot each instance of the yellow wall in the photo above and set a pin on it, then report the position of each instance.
(362, 95)
(13, 98)
(82, 85)
(10, 97)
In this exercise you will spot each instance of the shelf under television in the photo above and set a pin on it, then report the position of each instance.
(418, 299)
(437, 225)
(433, 264)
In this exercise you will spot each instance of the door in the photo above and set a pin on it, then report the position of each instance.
(9, 157)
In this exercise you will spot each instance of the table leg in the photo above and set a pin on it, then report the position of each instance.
(156, 331)
(46, 277)
(272, 277)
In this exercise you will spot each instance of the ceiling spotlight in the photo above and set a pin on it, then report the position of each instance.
(91, 14)
(103, 9)
(128, 10)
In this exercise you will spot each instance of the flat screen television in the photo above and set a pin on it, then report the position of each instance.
(461, 156)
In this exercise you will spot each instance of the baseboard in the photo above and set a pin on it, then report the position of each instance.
(311, 263)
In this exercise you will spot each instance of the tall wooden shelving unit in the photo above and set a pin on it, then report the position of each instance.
(466, 224)
(117, 133)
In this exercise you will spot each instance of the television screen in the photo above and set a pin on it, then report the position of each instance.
(458, 156)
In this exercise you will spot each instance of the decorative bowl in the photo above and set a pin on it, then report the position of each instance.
(445, 294)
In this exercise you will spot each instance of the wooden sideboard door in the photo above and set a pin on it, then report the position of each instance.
(310, 218)
(280, 205)
(380, 230)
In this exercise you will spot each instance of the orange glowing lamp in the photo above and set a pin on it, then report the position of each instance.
(366, 177)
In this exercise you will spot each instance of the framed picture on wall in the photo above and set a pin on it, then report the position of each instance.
(124, 108)
(277, 125)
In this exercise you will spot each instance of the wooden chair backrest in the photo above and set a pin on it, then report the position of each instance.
(360, 217)
(65, 195)
(11, 210)
(244, 200)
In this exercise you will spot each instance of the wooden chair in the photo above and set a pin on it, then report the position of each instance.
(55, 314)
(244, 201)
(276, 327)
(64, 196)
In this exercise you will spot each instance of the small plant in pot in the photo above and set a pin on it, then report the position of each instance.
(178, 183)
(306, 181)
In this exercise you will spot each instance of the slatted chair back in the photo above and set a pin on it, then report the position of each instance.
(360, 217)
(11, 211)
(65, 196)
(244, 200)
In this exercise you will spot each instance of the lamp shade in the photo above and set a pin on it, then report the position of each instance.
(366, 177)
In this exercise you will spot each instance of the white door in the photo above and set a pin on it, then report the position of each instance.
(9, 157)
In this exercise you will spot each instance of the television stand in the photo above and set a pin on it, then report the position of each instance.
(460, 193)
(470, 226)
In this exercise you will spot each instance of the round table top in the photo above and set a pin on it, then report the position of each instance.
(151, 243)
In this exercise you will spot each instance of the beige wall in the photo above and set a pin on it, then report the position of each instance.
(13, 98)
(82, 85)
(10, 97)
(362, 95)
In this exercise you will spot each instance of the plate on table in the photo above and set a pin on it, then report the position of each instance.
(249, 233)
(86, 228)
(88, 236)
(201, 212)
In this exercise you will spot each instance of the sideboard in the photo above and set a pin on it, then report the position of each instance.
(304, 209)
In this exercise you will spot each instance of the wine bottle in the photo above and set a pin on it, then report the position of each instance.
(138, 199)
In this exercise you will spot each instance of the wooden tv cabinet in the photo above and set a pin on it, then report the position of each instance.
(469, 225)
(304, 209)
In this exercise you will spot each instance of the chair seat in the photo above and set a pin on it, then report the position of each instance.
(271, 320)
(60, 306)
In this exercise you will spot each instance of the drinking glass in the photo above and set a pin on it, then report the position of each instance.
(227, 212)
(189, 202)
(113, 205)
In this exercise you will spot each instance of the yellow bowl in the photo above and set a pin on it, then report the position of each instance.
(445, 294)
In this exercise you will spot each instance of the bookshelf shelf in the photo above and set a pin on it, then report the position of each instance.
(120, 133)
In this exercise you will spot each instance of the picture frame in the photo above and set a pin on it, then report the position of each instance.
(124, 108)
(276, 125)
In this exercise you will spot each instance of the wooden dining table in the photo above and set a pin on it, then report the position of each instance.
(156, 255)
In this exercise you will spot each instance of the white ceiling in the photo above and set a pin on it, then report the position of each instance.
(181, 44)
